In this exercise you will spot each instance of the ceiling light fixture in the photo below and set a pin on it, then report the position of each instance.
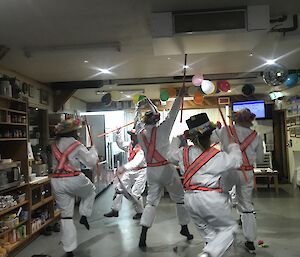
(105, 71)
(98, 92)
(186, 66)
(86, 61)
(251, 54)
(270, 61)
(229, 91)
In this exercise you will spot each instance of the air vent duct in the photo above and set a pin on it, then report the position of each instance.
(210, 21)
(250, 18)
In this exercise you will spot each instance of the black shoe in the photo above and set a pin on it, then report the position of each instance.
(69, 254)
(56, 227)
(185, 232)
(47, 231)
(112, 213)
(137, 216)
(142, 242)
(250, 247)
(83, 221)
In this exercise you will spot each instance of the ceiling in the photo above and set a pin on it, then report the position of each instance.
(116, 35)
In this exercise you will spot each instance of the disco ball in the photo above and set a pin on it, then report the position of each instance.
(275, 75)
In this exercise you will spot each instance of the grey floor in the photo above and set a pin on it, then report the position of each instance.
(278, 219)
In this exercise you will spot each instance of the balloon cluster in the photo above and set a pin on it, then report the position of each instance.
(136, 98)
(206, 87)
(165, 94)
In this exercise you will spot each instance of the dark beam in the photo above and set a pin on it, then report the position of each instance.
(60, 97)
(76, 84)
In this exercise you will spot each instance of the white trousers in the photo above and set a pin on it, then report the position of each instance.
(211, 214)
(135, 183)
(244, 193)
(65, 190)
(170, 180)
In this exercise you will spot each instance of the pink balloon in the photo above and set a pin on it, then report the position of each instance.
(197, 80)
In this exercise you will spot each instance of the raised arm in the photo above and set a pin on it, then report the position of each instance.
(121, 143)
(170, 119)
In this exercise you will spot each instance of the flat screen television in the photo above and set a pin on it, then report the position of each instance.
(257, 107)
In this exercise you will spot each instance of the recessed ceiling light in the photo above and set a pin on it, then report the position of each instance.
(105, 71)
(270, 62)
(251, 54)
(186, 66)
(169, 58)
(98, 92)
(121, 92)
(128, 96)
(229, 91)
(36, 109)
(86, 61)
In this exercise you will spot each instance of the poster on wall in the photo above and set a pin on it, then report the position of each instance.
(44, 99)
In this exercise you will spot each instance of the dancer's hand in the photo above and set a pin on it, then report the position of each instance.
(120, 170)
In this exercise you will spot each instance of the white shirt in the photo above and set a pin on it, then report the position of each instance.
(209, 174)
(137, 161)
(80, 154)
(163, 130)
(254, 152)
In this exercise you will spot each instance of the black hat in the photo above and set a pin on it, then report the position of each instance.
(151, 117)
(200, 123)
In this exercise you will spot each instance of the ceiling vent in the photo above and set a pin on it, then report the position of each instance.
(248, 18)
(209, 21)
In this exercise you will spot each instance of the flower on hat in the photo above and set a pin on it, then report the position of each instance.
(68, 126)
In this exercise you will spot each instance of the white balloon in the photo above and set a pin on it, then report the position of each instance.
(208, 87)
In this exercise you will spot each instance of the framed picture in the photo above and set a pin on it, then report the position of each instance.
(44, 99)
(31, 90)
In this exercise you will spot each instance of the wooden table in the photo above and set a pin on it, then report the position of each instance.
(269, 174)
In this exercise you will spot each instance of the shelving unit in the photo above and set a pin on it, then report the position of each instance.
(38, 196)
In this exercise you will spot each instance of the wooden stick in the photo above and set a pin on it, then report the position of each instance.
(116, 129)
(89, 130)
(224, 121)
(183, 85)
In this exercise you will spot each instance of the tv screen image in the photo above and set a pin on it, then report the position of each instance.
(257, 107)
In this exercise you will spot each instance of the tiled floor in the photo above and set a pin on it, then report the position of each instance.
(278, 218)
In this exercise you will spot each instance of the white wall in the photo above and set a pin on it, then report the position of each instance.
(74, 104)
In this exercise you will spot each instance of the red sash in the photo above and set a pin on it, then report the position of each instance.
(243, 146)
(64, 169)
(191, 169)
(152, 153)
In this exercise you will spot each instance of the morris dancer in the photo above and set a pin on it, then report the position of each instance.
(68, 182)
(154, 140)
(134, 178)
(202, 165)
(251, 146)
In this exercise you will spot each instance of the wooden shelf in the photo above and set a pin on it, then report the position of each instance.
(18, 243)
(11, 229)
(14, 139)
(13, 188)
(42, 202)
(4, 211)
(12, 110)
(13, 124)
(12, 99)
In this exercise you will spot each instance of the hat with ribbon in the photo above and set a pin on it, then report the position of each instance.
(67, 126)
(200, 123)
